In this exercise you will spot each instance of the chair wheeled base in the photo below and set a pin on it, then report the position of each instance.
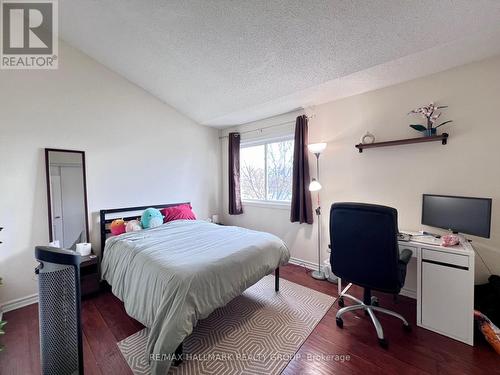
(369, 308)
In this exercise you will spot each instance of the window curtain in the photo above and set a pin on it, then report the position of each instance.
(235, 207)
(301, 209)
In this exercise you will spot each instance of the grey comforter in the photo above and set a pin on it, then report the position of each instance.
(172, 276)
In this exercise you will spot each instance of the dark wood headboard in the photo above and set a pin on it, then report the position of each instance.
(125, 214)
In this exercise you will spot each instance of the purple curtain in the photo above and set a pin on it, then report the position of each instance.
(301, 210)
(235, 207)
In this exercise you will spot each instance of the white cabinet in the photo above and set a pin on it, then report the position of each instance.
(446, 305)
(444, 287)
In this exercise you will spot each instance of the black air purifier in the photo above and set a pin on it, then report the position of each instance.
(59, 311)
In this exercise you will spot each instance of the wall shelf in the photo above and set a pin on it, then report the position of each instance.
(443, 138)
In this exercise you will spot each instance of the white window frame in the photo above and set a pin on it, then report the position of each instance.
(259, 142)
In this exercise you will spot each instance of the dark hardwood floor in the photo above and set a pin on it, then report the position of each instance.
(105, 322)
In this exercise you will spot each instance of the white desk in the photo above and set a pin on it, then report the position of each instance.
(443, 286)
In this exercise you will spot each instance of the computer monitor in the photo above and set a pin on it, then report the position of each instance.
(459, 214)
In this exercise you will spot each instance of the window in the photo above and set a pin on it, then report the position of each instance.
(266, 170)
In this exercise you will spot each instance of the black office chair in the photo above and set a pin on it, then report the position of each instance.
(365, 252)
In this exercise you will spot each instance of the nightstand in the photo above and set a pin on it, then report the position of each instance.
(89, 274)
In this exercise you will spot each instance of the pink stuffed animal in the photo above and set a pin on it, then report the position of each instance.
(133, 225)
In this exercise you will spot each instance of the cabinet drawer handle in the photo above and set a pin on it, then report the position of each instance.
(445, 264)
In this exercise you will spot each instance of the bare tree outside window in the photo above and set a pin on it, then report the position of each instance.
(252, 172)
(279, 171)
(266, 171)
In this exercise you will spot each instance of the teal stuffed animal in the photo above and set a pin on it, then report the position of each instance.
(151, 218)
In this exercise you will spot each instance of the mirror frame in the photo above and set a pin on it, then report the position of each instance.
(49, 202)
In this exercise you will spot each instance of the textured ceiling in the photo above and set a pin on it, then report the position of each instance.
(224, 62)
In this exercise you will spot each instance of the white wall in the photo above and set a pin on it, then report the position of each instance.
(139, 151)
(398, 176)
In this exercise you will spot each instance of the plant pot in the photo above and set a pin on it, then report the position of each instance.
(429, 132)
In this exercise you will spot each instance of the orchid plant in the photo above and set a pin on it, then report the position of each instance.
(430, 114)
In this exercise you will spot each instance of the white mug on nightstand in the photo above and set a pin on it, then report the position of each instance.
(84, 248)
(55, 243)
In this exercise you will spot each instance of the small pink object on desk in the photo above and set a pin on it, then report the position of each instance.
(449, 240)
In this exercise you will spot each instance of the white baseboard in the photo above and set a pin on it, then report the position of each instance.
(304, 263)
(408, 293)
(31, 299)
(314, 266)
(18, 303)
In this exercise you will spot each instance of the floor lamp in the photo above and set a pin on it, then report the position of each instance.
(317, 149)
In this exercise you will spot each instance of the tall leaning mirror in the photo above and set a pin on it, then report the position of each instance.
(67, 197)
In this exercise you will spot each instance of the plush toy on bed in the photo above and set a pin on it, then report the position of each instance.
(133, 226)
(117, 227)
(151, 218)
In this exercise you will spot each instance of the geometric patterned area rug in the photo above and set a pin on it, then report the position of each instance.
(258, 332)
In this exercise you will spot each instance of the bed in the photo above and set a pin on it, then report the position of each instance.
(172, 276)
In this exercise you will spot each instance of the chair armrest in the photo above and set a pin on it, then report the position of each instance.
(405, 256)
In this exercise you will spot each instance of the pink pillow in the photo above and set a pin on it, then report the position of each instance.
(180, 212)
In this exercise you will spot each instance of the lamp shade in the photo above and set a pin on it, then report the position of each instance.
(314, 185)
(316, 148)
